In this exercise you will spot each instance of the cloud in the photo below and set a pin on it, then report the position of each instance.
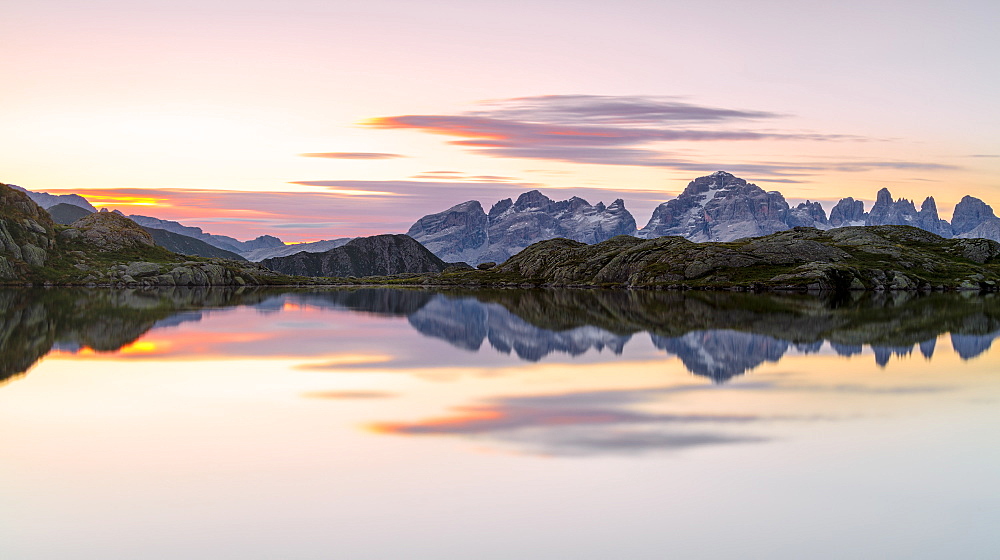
(606, 130)
(459, 176)
(604, 109)
(629, 131)
(353, 155)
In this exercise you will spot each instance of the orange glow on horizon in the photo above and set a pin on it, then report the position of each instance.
(101, 201)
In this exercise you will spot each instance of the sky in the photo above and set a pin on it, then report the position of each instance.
(319, 119)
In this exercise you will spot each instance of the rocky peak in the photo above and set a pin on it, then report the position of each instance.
(883, 197)
(263, 242)
(970, 213)
(888, 212)
(458, 234)
(848, 212)
(464, 233)
(109, 232)
(808, 214)
(378, 255)
(723, 207)
(499, 208)
(902, 212)
(533, 200)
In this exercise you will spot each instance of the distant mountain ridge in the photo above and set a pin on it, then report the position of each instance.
(257, 255)
(723, 207)
(46, 200)
(466, 233)
(220, 241)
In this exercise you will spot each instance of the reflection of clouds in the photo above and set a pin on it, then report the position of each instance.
(581, 423)
(604, 422)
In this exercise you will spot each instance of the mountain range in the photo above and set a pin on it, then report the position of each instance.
(466, 233)
(718, 207)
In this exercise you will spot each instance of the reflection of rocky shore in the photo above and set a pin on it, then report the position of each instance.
(33, 322)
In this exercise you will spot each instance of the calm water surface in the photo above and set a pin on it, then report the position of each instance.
(380, 424)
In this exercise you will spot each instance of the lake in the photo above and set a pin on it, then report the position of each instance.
(577, 424)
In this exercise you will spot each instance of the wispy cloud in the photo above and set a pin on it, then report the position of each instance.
(353, 155)
(630, 131)
(591, 128)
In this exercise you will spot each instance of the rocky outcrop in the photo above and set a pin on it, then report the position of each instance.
(108, 231)
(722, 207)
(27, 234)
(466, 233)
(851, 258)
(216, 272)
(379, 255)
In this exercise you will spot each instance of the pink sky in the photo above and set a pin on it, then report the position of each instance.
(312, 119)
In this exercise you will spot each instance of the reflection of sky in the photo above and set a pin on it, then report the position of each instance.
(220, 437)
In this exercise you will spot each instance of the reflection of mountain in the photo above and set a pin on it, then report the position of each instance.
(722, 354)
(970, 345)
(715, 334)
(467, 322)
(392, 303)
(723, 334)
(33, 322)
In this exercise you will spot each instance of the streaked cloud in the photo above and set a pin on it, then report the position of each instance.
(632, 131)
(353, 155)
(459, 176)
(591, 128)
